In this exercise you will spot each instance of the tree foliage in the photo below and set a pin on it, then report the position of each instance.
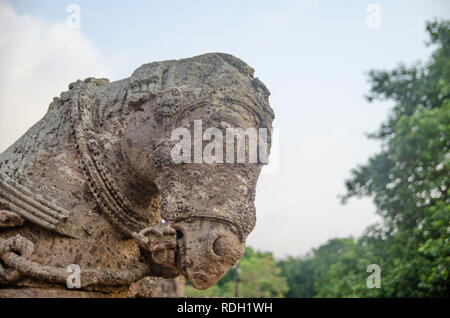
(409, 183)
(409, 178)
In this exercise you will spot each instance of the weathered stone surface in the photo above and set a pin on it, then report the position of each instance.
(91, 183)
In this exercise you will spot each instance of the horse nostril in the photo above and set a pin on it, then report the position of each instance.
(220, 246)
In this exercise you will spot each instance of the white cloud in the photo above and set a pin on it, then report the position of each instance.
(38, 60)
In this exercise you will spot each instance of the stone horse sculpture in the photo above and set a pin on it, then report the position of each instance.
(93, 183)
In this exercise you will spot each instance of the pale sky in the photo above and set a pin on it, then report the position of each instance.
(312, 55)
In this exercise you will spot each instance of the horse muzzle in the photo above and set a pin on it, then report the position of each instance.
(206, 250)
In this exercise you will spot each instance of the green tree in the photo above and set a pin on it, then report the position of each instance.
(408, 179)
(259, 276)
(409, 183)
(299, 275)
(311, 276)
(325, 259)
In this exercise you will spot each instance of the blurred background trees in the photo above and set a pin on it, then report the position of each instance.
(409, 183)
(408, 180)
